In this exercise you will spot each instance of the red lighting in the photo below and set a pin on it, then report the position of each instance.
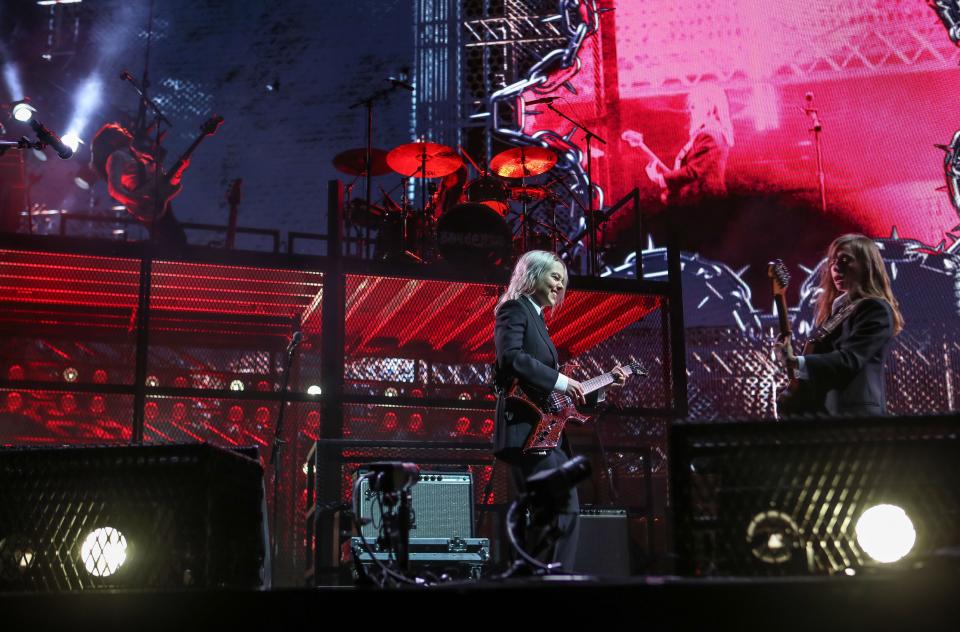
(97, 404)
(463, 426)
(415, 422)
(179, 411)
(99, 376)
(14, 401)
(68, 402)
(151, 410)
(235, 414)
(389, 421)
(486, 428)
(15, 372)
(180, 382)
(416, 392)
(262, 415)
(263, 386)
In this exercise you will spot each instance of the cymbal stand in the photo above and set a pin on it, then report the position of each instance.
(593, 267)
(524, 229)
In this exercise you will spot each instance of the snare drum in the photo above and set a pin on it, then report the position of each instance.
(475, 234)
(489, 191)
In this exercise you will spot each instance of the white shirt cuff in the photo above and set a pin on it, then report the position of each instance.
(561, 384)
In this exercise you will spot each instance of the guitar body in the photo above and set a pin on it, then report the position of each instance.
(548, 423)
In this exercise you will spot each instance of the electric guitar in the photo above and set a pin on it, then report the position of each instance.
(779, 281)
(154, 209)
(551, 417)
(234, 195)
(635, 140)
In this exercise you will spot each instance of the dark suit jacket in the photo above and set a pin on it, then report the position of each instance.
(526, 354)
(701, 172)
(846, 369)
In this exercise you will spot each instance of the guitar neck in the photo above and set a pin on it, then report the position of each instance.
(784, 322)
(606, 379)
(185, 156)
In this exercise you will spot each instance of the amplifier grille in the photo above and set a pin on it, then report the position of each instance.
(442, 506)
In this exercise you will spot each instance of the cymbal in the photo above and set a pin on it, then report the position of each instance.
(523, 162)
(428, 160)
(354, 161)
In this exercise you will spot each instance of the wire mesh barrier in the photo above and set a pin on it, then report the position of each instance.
(799, 498)
(173, 516)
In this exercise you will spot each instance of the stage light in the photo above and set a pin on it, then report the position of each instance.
(885, 533)
(236, 385)
(389, 423)
(14, 401)
(15, 372)
(23, 111)
(262, 415)
(180, 382)
(97, 404)
(415, 422)
(773, 537)
(153, 381)
(72, 140)
(464, 397)
(151, 410)
(70, 374)
(104, 551)
(391, 391)
(235, 414)
(99, 376)
(17, 552)
(12, 78)
(264, 386)
(178, 411)
(486, 428)
(463, 426)
(68, 403)
(315, 390)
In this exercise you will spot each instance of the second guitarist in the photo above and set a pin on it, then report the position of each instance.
(526, 356)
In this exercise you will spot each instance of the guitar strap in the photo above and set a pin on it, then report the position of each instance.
(830, 325)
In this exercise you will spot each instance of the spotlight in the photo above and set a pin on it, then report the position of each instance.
(885, 533)
(84, 177)
(462, 426)
(70, 374)
(72, 140)
(235, 414)
(391, 391)
(389, 421)
(104, 551)
(153, 381)
(22, 111)
(236, 385)
(179, 411)
(315, 390)
(773, 537)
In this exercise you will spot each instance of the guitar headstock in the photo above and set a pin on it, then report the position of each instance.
(636, 368)
(211, 125)
(779, 277)
(234, 194)
(633, 138)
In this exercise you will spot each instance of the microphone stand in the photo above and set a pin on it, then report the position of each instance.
(593, 266)
(368, 102)
(817, 129)
(277, 446)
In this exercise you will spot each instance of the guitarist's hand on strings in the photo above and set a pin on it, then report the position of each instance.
(653, 172)
(619, 375)
(575, 391)
(785, 355)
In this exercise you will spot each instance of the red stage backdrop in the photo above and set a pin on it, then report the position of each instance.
(879, 73)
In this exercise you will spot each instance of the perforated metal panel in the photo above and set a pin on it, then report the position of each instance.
(442, 506)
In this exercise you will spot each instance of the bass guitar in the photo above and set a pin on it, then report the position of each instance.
(551, 416)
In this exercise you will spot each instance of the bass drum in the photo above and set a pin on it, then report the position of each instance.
(474, 233)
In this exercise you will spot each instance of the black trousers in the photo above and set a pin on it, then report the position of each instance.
(568, 519)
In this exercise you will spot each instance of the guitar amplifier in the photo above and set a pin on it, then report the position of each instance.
(457, 557)
(442, 506)
(603, 548)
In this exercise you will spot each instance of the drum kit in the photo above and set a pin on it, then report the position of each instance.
(460, 220)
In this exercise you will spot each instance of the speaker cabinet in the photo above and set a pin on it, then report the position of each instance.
(604, 545)
(442, 506)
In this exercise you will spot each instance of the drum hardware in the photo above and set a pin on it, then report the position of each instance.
(523, 162)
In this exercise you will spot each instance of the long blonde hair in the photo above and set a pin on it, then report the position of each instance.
(874, 282)
(531, 267)
(709, 107)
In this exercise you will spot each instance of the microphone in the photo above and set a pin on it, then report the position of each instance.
(812, 112)
(543, 100)
(397, 83)
(294, 341)
(49, 138)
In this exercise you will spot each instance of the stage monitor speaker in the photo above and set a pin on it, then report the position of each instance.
(442, 506)
(786, 498)
(131, 517)
(603, 548)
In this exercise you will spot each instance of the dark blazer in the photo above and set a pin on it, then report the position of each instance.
(846, 368)
(525, 354)
(700, 170)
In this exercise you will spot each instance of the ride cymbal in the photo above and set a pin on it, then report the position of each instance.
(523, 162)
(354, 161)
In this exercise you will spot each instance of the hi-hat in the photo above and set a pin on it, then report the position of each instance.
(523, 162)
(424, 160)
(354, 162)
